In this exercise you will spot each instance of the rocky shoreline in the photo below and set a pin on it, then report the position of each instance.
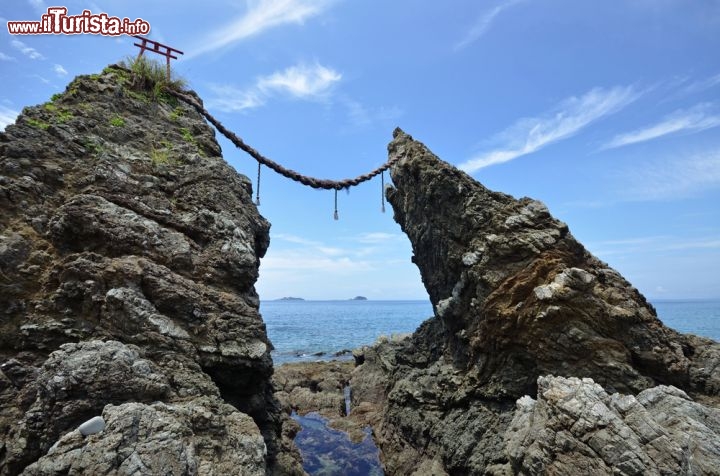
(540, 359)
(131, 340)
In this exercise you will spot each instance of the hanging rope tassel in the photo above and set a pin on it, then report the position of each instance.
(257, 191)
(336, 212)
(382, 191)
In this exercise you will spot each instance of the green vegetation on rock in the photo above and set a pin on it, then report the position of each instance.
(37, 123)
(63, 116)
(149, 77)
(177, 113)
(117, 121)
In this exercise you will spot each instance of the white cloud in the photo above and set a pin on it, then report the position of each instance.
(695, 119)
(483, 24)
(7, 116)
(302, 81)
(531, 134)
(671, 179)
(702, 85)
(4, 57)
(28, 51)
(340, 267)
(59, 70)
(305, 255)
(295, 239)
(232, 99)
(379, 237)
(299, 262)
(260, 16)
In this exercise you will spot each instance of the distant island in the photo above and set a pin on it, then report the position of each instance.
(359, 298)
(289, 298)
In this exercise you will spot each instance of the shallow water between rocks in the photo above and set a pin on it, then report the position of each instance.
(330, 452)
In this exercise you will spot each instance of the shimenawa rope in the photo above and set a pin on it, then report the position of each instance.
(291, 174)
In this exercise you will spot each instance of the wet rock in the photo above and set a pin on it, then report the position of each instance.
(312, 387)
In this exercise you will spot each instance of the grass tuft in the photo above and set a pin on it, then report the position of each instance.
(117, 121)
(150, 77)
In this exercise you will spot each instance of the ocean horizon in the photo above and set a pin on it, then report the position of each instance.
(311, 330)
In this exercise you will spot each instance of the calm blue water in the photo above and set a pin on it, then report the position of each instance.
(301, 329)
(700, 317)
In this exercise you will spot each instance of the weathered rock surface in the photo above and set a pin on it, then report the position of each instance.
(576, 427)
(129, 251)
(515, 298)
(203, 436)
(312, 387)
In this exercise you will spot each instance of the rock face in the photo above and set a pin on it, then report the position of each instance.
(576, 427)
(128, 255)
(312, 387)
(515, 298)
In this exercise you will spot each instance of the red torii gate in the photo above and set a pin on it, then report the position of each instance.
(159, 48)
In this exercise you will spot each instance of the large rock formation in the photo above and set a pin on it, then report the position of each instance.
(128, 255)
(516, 297)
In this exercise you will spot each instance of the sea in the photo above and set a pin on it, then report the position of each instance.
(322, 330)
(303, 331)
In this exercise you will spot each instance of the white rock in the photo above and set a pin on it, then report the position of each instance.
(470, 258)
(92, 426)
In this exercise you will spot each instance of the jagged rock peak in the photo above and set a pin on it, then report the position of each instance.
(129, 250)
(517, 295)
(517, 300)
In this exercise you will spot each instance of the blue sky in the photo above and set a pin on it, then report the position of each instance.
(607, 111)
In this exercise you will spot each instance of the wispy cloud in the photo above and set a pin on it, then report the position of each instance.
(482, 24)
(662, 180)
(375, 264)
(59, 70)
(702, 85)
(361, 116)
(41, 79)
(379, 237)
(4, 57)
(652, 244)
(302, 81)
(696, 119)
(304, 255)
(28, 51)
(531, 134)
(261, 15)
(7, 116)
